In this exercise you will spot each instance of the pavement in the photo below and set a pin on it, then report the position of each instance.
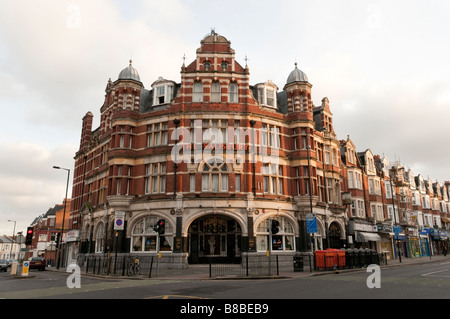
(201, 272)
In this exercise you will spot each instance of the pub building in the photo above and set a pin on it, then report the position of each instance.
(216, 158)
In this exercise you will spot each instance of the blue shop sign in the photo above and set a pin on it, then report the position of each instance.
(425, 231)
(397, 230)
(443, 234)
(435, 233)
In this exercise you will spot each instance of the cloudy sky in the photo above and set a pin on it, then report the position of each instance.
(384, 66)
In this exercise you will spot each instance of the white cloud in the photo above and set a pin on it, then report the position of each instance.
(28, 183)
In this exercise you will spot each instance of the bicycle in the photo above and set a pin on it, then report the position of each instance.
(134, 266)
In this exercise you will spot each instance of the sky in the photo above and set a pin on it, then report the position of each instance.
(383, 65)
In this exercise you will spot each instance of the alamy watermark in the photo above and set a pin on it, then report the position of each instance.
(74, 279)
(374, 280)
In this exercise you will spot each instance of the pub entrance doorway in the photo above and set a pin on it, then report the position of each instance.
(215, 238)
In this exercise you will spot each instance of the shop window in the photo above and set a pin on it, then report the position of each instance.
(284, 240)
(100, 238)
(145, 239)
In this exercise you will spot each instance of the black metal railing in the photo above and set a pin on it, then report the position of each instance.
(250, 266)
(130, 265)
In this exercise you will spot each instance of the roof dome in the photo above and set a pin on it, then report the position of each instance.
(297, 76)
(129, 73)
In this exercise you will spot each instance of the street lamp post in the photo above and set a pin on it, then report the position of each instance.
(391, 180)
(64, 217)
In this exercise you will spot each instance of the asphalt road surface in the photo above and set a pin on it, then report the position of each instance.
(422, 281)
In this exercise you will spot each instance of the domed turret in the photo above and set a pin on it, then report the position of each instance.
(129, 73)
(298, 90)
(296, 76)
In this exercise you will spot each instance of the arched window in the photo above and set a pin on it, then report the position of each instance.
(198, 92)
(215, 176)
(145, 239)
(100, 238)
(215, 92)
(233, 93)
(284, 240)
(125, 95)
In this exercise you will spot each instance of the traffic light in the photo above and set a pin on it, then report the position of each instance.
(275, 226)
(29, 237)
(58, 238)
(159, 227)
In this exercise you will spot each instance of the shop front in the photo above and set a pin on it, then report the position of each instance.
(436, 241)
(413, 242)
(440, 241)
(385, 232)
(364, 234)
(424, 236)
(72, 242)
(444, 242)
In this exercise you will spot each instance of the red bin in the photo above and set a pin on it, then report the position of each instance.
(339, 257)
(331, 260)
(320, 259)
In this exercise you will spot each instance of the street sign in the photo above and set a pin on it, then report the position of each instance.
(119, 220)
(26, 266)
(311, 225)
(397, 230)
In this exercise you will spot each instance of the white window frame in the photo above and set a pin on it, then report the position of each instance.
(197, 92)
(233, 93)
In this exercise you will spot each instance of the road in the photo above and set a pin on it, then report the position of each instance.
(422, 281)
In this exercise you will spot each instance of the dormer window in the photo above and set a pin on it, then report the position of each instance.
(162, 91)
(270, 97)
(160, 95)
(267, 94)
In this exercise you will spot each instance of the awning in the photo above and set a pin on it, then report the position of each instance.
(445, 220)
(365, 237)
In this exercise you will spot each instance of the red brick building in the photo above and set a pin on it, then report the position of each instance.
(213, 155)
(46, 229)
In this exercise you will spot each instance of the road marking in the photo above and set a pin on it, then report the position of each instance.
(435, 272)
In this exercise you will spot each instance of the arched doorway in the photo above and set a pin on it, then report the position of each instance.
(334, 234)
(216, 237)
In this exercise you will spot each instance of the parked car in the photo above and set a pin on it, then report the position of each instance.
(3, 265)
(37, 263)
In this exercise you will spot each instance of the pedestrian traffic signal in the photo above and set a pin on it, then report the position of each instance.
(29, 237)
(159, 227)
(275, 226)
